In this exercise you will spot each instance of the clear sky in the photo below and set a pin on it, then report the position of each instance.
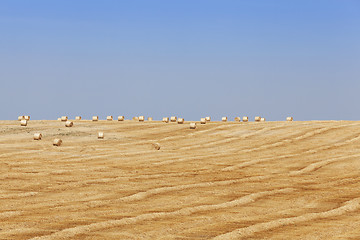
(189, 58)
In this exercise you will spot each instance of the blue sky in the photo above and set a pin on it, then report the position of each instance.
(187, 58)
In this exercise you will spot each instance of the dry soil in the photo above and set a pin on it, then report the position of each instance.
(266, 180)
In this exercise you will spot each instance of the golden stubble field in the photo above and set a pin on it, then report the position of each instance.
(268, 180)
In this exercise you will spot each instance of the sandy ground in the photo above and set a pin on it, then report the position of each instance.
(272, 180)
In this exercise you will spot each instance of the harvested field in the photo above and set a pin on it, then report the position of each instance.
(222, 180)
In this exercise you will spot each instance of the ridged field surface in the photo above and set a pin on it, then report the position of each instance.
(222, 180)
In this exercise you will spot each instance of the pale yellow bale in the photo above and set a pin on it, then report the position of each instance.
(57, 142)
(121, 118)
(208, 119)
(23, 123)
(192, 125)
(69, 124)
(141, 118)
(95, 118)
(202, 120)
(64, 118)
(156, 146)
(135, 118)
(224, 119)
(27, 118)
(245, 119)
(59, 119)
(21, 118)
(150, 119)
(257, 119)
(100, 135)
(289, 119)
(165, 119)
(109, 118)
(262, 119)
(37, 136)
(180, 121)
(173, 119)
(78, 118)
(237, 119)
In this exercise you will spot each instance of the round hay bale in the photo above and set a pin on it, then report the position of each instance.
(180, 121)
(78, 118)
(109, 118)
(262, 119)
(156, 146)
(141, 118)
(95, 118)
(257, 119)
(37, 136)
(245, 119)
(224, 119)
(135, 118)
(192, 125)
(289, 119)
(208, 119)
(27, 118)
(23, 123)
(59, 119)
(57, 142)
(64, 118)
(121, 118)
(173, 119)
(202, 120)
(237, 119)
(21, 118)
(150, 119)
(69, 124)
(165, 120)
(100, 135)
